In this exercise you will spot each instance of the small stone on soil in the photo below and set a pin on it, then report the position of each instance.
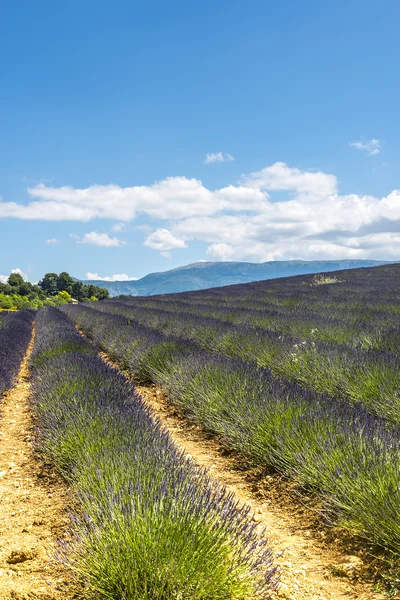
(19, 556)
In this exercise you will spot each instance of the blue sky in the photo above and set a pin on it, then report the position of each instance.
(108, 111)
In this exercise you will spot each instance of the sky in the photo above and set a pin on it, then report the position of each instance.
(139, 136)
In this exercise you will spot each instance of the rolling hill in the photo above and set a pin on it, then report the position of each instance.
(203, 275)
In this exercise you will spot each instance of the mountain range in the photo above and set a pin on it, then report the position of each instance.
(202, 275)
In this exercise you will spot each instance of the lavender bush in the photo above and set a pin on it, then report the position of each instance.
(15, 335)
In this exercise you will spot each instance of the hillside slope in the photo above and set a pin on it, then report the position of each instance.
(203, 275)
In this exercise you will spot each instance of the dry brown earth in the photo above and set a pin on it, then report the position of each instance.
(32, 506)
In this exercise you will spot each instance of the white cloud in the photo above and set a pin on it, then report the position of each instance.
(171, 198)
(163, 240)
(221, 251)
(371, 147)
(118, 227)
(116, 277)
(307, 184)
(99, 239)
(4, 278)
(217, 157)
(308, 219)
(53, 241)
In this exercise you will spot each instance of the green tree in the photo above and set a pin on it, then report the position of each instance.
(15, 280)
(65, 282)
(77, 291)
(39, 293)
(49, 284)
(5, 289)
(102, 293)
(52, 284)
(91, 290)
(24, 289)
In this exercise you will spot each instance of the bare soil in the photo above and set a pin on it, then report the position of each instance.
(316, 563)
(33, 504)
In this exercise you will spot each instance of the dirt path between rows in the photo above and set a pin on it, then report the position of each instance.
(32, 506)
(312, 567)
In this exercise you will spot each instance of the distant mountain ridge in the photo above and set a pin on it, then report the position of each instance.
(203, 275)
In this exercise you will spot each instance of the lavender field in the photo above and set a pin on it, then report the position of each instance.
(298, 374)
(149, 523)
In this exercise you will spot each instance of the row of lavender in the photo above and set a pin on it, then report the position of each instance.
(365, 375)
(15, 335)
(356, 309)
(364, 299)
(350, 456)
(151, 525)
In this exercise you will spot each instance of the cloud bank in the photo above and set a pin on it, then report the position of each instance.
(98, 239)
(116, 277)
(307, 219)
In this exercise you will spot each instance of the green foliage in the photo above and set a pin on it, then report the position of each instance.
(15, 280)
(52, 284)
(6, 302)
(25, 288)
(49, 284)
(17, 302)
(17, 294)
(64, 296)
(65, 283)
(52, 290)
(5, 289)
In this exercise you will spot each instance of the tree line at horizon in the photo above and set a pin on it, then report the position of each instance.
(52, 290)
